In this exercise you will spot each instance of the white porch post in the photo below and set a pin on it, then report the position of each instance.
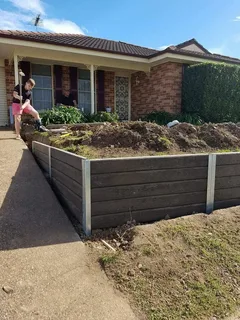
(15, 60)
(92, 88)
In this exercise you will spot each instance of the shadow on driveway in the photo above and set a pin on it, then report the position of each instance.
(30, 215)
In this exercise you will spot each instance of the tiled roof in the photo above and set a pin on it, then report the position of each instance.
(207, 56)
(80, 41)
(90, 43)
(189, 42)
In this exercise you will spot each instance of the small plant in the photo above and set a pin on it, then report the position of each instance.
(101, 117)
(165, 142)
(107, 259)
(159, 117)
(147, 251)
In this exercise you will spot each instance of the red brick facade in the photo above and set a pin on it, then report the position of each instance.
(109, 92)
(10, 80)
(159, 90)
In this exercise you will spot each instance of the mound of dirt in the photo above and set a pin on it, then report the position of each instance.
(144, 138)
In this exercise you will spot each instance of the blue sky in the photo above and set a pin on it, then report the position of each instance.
(151, 23)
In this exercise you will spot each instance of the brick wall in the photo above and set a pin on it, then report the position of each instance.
(109, 89)
(10, 82)
(65, 77)
(161, 89)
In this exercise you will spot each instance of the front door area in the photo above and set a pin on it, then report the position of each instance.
(122, 97)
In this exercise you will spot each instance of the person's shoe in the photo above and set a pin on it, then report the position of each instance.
(42, 129)
(18, 137)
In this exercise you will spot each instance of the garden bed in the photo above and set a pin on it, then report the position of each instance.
(111, 140)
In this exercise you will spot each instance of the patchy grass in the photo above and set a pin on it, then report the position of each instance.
(187, 268)
(228, 150)
(83, 151)
(43, 134)
(165, 142)
(147, 251)
(107, 259)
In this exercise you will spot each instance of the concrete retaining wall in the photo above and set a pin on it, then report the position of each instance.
(147, 189)
(65, 172)
(109, 192)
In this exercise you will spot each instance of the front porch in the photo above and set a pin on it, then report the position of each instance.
(96, 81)
(93, 88)
(128, 85)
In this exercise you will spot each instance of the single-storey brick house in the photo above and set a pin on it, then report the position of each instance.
(130, 79)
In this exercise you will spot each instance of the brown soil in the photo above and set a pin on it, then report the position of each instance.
(187, 268)
(140, 138)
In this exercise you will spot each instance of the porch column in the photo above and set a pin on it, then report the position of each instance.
(15, 60)
(92, 88)
(92, 69)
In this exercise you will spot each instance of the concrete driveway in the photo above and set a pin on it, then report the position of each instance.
(44, 267)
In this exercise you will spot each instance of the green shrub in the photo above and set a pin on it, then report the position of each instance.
(163, 117)
(62, 115)
(72, 115)
(211, 90)
(101, 117)
(189, 118)
(159, 117)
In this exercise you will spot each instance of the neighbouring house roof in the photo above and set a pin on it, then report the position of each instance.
(186, 44)
(208, 56)
(117, 47)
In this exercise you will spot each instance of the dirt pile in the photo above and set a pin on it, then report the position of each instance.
(183, 137)
(143, 137)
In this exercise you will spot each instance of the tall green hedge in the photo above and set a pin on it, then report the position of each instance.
(212, 91)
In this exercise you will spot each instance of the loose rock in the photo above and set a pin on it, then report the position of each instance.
(7, 289)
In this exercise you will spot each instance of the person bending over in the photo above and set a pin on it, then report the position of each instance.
(67, 99)
(25, 107)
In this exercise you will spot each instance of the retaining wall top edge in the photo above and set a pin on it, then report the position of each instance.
(64, 151)
(144, 157)
(152, 157)
(225, 153)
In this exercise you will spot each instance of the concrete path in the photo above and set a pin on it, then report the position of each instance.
(43, 264)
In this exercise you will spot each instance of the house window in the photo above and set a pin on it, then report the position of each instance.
(84, 91)
(42, 92)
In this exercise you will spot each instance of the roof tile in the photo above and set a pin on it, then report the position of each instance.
(91, 43)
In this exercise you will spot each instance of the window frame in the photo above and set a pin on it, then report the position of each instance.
(52, 83)
(95, 89)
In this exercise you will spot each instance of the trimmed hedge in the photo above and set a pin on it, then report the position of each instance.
(212, 91)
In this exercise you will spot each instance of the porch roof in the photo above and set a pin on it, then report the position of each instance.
(101, 51)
